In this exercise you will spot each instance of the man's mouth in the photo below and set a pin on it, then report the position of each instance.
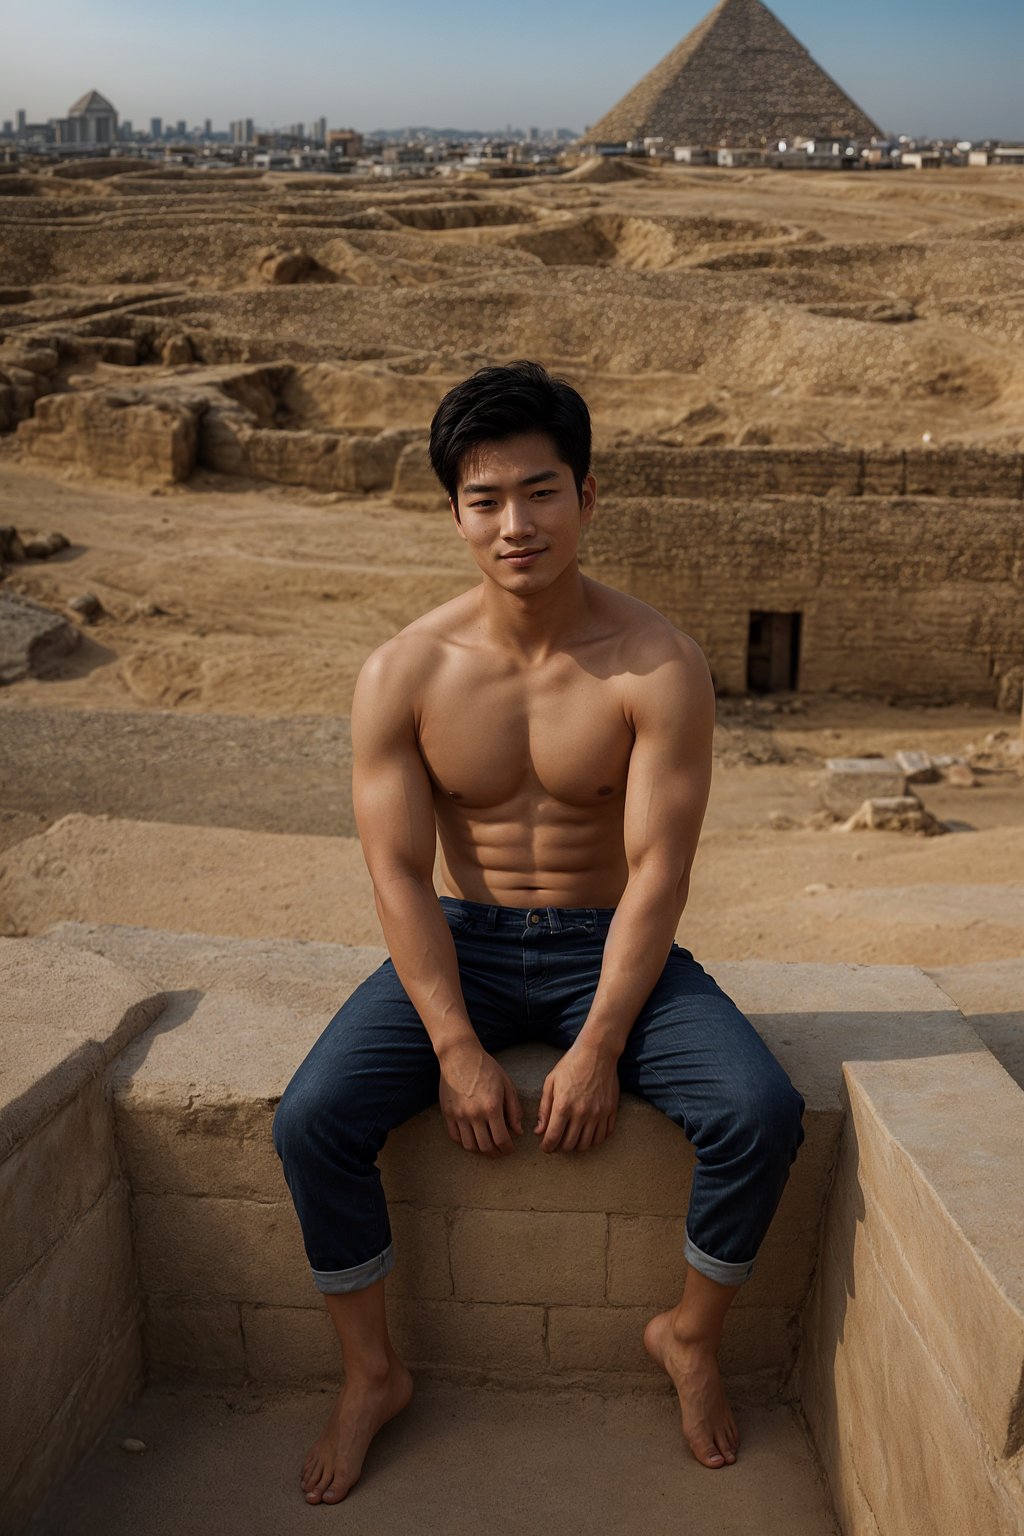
(522, 556)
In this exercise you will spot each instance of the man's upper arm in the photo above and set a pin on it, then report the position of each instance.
(670, 765)
(391, 790)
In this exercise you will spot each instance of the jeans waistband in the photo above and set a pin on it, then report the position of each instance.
(494, 918)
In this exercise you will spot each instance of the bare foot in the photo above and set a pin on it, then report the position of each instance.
(336, 1460)
(708, 1424)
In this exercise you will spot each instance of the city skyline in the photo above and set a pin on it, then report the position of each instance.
(924, 70)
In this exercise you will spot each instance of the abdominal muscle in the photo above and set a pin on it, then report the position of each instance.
(534, 854)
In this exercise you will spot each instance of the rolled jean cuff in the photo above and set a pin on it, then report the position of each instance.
(716, 1269)
(335, 1282)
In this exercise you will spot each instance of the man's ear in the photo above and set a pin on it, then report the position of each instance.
(588, 500)
(455, 513)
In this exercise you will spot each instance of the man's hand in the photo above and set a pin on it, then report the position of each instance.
(478, 1101)
(579, 1101)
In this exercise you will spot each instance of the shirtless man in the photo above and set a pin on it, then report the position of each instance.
(557, 735)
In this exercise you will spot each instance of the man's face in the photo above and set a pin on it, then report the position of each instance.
(519, 512)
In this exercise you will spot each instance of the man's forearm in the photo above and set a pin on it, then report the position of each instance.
(638, 944)
(421, 948)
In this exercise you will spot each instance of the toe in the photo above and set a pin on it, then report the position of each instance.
(336, 1492)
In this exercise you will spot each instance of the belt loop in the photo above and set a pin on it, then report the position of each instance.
(553, 922)
(491, 921)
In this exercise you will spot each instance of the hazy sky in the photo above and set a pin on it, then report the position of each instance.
(938, 67)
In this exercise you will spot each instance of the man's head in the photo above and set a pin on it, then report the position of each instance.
(495, 404)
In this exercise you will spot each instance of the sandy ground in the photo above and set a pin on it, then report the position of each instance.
(693, 307)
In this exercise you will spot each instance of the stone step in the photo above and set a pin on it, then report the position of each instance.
(458, 1462)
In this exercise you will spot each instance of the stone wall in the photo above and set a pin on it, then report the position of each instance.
(903, 594)
(913, 1343)
(69, 1311)
(129, 435)
(325, 461)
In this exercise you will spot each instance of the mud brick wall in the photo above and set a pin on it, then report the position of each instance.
(913, 594)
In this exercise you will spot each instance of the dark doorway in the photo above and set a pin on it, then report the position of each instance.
(773, 652)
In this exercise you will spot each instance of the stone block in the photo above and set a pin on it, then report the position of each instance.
(124, 435)
(192, 1338)
(67, 1012)
(599, 1339)
(917, 767)
(891, 1428)
(945, 1217)
(528, 1256)
(422, 1268)
(50, 1181)
(33, 639)
(500, 1341)
(226, 1250)
(991, 998)
(58, 1320)
(204, 1148)
(849, 781)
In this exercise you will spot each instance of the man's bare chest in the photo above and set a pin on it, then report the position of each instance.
(490, 741)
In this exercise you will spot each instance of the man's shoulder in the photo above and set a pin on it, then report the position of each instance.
(415, 651)
(648, 639)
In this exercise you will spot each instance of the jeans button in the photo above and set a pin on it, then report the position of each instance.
(534, 918)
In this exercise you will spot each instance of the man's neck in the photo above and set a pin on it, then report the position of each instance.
(536, 625)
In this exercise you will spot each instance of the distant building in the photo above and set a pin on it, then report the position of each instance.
(91, 122)
(181, 128)
(344, 143)
(21, 119)
(156, 127)
(921, 160)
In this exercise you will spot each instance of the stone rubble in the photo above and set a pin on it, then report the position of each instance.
(894, 813)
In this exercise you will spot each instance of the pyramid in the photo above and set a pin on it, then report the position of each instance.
(739, 78)
(92, 101)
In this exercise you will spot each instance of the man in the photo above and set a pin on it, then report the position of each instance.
(557, 735)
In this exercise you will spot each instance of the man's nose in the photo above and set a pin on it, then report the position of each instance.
(518, 519)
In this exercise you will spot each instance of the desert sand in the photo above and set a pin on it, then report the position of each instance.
(693, 307)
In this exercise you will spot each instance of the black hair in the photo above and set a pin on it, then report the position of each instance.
(497, 403)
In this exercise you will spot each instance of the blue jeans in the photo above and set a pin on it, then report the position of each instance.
(531, 975)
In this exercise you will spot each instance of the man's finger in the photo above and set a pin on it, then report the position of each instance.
(483, 1139)
(572, 1134)
(453, 1129)
(557, 1121)
(499, 1135)
(586, 1140)
(466, 1136)
(544, 1115)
